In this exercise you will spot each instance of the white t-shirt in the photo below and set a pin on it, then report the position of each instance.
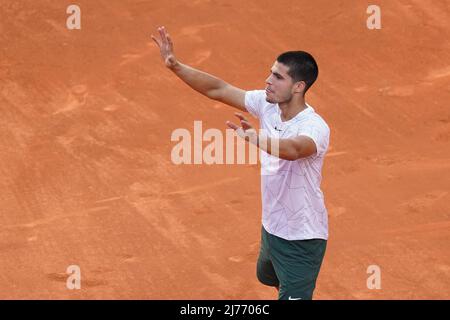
(292, 201)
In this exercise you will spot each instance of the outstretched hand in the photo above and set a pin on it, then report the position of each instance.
(246, 132)
(165, 46)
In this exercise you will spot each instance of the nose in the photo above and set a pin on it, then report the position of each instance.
(269, 80)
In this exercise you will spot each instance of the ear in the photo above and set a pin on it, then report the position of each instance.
(299, 86)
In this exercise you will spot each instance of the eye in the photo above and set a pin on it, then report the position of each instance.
(276, 75)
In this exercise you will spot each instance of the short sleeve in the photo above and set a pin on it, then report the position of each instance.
(255, 101)
(319, 133)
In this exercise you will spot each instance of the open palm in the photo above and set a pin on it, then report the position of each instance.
(165, 45)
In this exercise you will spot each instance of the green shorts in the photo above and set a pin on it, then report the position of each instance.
(293, 266)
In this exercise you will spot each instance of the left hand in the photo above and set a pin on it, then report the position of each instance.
(246, 132)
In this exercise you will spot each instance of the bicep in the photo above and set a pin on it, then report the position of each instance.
(230, 95)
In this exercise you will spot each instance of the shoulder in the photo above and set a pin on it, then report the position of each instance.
(314, 119)
(255, 97)
(256, 103)
(257, 92)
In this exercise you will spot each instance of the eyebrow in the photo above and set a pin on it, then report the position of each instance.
(277, 74)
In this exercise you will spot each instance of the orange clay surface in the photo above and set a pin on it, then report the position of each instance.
(87, 178)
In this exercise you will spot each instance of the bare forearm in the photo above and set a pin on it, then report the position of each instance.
(281, 148)
(198, 80)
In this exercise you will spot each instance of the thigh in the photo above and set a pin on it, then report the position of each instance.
(265, 271)
(297, 264)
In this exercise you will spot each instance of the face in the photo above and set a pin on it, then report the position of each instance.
(280, 86)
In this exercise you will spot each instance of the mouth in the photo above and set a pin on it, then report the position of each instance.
(268, 91)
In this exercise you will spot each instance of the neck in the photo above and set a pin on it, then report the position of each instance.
(289, 109)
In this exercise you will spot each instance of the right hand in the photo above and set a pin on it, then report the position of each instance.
(165, 45)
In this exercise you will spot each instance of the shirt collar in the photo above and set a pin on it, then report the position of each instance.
(299, 115)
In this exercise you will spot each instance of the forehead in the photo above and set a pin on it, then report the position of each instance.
(280, 68)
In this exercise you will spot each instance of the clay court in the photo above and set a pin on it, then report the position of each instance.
(85, 148)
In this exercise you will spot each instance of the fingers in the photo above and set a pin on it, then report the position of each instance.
(246, 125)
(169, 39)
(156, 41)
(166, 41)
(244, 122)
(240, 116)
(245, 132)
(239, 131)
(232, 125)
(163, 34)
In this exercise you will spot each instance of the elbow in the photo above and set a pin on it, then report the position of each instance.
(213, 94)
(217, 92)
(287, 151)
(290, 149)
(290, 155)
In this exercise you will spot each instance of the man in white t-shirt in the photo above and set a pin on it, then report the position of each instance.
(294, 140)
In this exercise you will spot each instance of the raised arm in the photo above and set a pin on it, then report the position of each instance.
(206, 84)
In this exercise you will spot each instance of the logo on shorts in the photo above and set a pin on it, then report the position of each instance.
(290, 298)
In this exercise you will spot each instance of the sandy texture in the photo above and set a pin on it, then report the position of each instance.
(85, 126)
